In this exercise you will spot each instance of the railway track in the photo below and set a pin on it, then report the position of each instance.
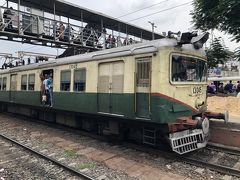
(196, 161)
(41, 155)
(192, 159)
(215, 167)
(220, 148)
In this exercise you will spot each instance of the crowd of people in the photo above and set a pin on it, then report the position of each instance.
(112, 42)
(65, 32)
(228, 88)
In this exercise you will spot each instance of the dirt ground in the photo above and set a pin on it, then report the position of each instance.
(221, 104)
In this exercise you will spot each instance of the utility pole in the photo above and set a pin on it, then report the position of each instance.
(153, 26)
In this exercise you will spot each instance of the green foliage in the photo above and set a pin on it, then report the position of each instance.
(218, 14)
(237, 54)
(216, 53)
(89, 165)
(70, 154)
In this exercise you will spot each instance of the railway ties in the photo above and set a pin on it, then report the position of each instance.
(18, 161)
(54, 142)
(222, 160)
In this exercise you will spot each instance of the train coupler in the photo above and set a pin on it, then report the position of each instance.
(211, 115)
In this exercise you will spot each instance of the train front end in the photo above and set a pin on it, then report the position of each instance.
(181, 102)
(190, 131)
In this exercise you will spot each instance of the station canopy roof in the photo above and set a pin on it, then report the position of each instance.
(66, 9)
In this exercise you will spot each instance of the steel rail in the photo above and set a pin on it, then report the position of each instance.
(68, 168)
(227, 150)
(214, 167)
(189, 160)
(171, 155)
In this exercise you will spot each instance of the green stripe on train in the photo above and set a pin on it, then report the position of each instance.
(162, 110)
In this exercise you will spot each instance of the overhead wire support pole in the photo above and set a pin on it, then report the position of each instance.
(153, 27)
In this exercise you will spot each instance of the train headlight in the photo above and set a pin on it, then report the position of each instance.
(205, 126)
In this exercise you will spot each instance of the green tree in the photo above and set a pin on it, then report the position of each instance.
(217, 14)
(216, 54)
(237, 54)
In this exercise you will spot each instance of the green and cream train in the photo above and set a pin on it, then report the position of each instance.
(149, 92)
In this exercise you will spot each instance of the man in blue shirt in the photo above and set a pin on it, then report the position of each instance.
(50, 90)
(228, 87)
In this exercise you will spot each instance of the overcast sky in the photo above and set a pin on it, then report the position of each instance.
(177, 19)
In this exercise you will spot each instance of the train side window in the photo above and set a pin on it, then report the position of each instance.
(65, 80)
(143, 72)
(24, 82)
(4, 83)
(0, 84)
(80, 80)
(31, 82)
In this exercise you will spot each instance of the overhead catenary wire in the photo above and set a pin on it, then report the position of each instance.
(174, 7)
(133, 12)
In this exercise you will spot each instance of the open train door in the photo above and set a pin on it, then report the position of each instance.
(143, 85)
(13, 87)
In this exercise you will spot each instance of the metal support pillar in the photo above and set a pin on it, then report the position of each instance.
(104, 34)
(126, 40)
(82, 27)
(69, 31)
(19, 28)
(119, 43)
(55, 24)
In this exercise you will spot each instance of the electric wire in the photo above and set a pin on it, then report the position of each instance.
(174, 7)
(142, 9)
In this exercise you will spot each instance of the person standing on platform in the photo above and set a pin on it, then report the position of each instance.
(228, 87)
(61, 31)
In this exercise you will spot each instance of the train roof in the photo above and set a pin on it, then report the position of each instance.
(135, 49)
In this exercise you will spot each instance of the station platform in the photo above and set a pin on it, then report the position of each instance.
(234, 119)
(227, 134)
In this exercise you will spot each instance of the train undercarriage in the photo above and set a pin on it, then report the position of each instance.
(164, 136)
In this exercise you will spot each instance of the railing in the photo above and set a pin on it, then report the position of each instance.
(43, 28)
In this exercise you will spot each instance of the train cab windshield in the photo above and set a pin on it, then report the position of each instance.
(188, 69)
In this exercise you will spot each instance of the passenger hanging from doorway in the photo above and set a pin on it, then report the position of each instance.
(50, 90)
(45, 93)
(42, 87)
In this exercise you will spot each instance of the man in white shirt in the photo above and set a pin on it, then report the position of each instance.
(45, 82)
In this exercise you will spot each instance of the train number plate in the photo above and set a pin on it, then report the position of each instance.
(197, 90)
